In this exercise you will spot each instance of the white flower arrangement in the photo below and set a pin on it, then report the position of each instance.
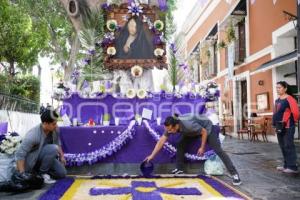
(111, 51)
(159, 52)
(58, 93)
(130, 93)
(10, 144)
(141, 93)
(136, 71)
(111, 25)
(159, 25)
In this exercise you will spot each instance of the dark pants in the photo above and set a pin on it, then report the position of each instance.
(287, 146)
(213, 142)
(48, 163)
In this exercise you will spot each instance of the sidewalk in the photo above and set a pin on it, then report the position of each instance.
(256, 163)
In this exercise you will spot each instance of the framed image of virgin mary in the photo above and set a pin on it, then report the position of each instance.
(134, 40)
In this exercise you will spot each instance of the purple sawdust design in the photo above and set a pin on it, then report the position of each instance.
(153, 195)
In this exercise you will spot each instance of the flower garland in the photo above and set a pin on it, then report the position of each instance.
(112, 147)
(172, 150)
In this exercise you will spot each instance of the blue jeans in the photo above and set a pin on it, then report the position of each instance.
(48, 163)
(287, 146)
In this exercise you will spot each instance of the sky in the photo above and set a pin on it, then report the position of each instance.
(46, 84)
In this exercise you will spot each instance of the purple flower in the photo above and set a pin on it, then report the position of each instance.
(105, 6)
(173, 47)
(135, 9)
(86, 61)
(91, 52)
(163, 5)
(184, 66)
(157, 40)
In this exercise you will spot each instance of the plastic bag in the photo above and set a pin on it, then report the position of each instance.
(7, 164)
(214, 166)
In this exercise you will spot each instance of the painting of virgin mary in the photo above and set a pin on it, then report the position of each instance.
(134, 42)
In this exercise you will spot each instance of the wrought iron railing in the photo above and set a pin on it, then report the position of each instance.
(16, 103)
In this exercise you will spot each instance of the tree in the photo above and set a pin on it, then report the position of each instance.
(63, 45)
(21, 39)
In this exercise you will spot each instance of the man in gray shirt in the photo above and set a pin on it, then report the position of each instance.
(40, 150)
(193, 127)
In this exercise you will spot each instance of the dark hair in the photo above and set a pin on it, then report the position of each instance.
(285, 85)
(171, 120)
(49, 116)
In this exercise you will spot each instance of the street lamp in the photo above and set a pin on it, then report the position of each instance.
(52, 71)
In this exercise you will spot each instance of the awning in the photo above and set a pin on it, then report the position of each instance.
(278, 61)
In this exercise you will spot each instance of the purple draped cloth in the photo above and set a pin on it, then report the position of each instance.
(162, 105)
(3, 127)
(88, 139)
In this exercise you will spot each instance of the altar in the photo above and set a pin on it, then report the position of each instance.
(128, 141)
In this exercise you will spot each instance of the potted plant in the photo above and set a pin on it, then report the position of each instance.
(106, 119)
(221, 44)
(230, 33)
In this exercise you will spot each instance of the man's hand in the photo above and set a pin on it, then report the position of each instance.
(63, 160)
(148, 158)
(201, 151)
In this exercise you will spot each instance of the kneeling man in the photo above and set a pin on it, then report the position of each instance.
(40, 151)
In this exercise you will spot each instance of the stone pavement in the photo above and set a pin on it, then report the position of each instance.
(256, 163)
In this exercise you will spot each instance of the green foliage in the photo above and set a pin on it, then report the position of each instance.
(170, 26)
(25, 86)
(174, 72)
(222, 44)
(230, 33)
(51, 19)
(91, 33)
(21, 38)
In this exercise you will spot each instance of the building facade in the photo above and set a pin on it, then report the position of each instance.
(245, 46)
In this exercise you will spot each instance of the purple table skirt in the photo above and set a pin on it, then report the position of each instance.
(88, 139)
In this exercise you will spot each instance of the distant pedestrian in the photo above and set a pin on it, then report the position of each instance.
(42, 109)
(285, 117)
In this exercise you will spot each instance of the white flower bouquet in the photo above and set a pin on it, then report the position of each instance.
(130, 93)
(136, 71)
(10, 143)
(141, 93)
(159, 25)
(111, 25)
(158, 52)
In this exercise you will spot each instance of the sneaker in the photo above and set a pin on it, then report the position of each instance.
(290, 171)
(280, 168)
(236, 180)
(177, 171)
(48, 179)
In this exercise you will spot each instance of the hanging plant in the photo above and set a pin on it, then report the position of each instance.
(230, 33)
(221, 45)
(208, 53)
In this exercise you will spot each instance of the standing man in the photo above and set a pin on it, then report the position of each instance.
(191, 127)
(40, 150)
